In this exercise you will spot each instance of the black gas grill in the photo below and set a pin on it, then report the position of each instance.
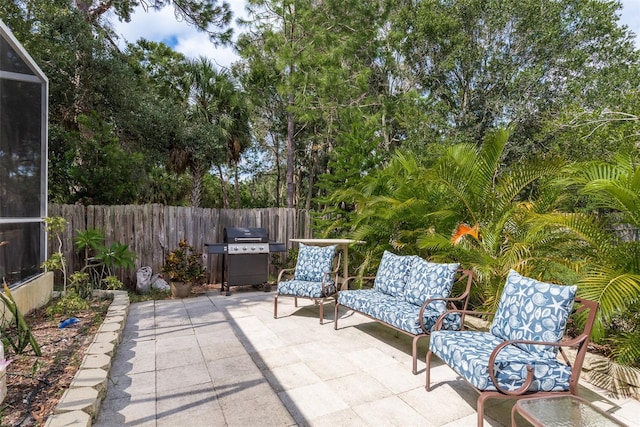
(245, 256)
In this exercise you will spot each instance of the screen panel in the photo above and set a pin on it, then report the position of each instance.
(21, 162)
(20, 251)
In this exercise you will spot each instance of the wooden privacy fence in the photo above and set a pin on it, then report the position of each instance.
(152, 231)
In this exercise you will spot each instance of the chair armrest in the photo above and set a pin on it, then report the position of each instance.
(345, 283)
(462, 312)
(326, 276)
(284, 271)
(450, 300)
(529, 380)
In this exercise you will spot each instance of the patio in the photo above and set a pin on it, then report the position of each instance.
(215, 360)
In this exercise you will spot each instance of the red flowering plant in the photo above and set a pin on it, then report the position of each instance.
(184, 264)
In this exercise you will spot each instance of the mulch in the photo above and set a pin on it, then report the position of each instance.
(35, 384)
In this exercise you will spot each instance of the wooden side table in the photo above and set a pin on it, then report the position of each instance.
(562, 411)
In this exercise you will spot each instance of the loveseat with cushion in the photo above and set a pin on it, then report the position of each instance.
(409, 294)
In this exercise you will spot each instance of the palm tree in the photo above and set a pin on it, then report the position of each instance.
(614, 278)
(492, 212)
(498, 224)
(218, 125)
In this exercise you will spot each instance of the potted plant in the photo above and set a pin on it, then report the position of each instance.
(184, 267)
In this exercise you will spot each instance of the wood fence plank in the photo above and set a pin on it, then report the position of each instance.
(153, 230)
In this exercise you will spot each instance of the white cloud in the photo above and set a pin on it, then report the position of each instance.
(164, 26)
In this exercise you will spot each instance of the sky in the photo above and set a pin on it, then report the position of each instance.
(162, 26)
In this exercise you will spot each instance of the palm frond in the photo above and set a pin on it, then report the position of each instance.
(588, 228)
(612, 289)
(522, 175)
(626, 348)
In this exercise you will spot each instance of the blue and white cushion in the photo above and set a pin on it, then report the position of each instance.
(534, 311)
(394, 311)
(429, 280)
(362, 300)
(468, 354)
(392, 273)
(313, 262)
(302, 288)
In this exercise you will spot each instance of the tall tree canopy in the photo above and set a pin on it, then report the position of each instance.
(499, 62)
(328, 88)
(112, 119)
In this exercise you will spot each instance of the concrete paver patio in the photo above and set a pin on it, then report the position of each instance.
(217, 360)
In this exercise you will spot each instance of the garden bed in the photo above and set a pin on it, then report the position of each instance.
(36, 383)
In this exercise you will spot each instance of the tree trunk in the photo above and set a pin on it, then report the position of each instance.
(312, 175)
(276, 141)
(237, 186)
(225, 198)
(291, 158)
(196, 190)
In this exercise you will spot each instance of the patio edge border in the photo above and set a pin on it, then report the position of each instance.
(80, 403)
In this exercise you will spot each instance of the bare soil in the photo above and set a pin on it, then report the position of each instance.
(36, 383)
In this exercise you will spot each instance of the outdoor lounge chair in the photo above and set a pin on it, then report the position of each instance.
(518, 356)
(409, 294)
(315, 277)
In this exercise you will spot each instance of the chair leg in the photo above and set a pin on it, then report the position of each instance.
(335, 317)
(415, 354)
(295, 301)
(321, 310)
(480, 408)
(428, 371)
(275, 307)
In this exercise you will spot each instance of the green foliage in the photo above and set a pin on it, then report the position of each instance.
(55, 262)
(20, 336)
(67, 306)
(100, 262)
(184, 264)
(88, 241)
(102, 171)
(116, 255)
(613, 279)
(413, 208)
(152, 295)
(112, 283)
(485, 64)
(315, 73)
(548, 220)
(626, 349)
(79, 282)
(54, 227)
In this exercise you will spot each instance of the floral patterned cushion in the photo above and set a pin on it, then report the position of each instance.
(313, 262)
(392, 273)
(302, 288)
(533, 310)
(468, 354)
(429, 280)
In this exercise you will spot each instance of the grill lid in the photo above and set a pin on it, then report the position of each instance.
(245, 235)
